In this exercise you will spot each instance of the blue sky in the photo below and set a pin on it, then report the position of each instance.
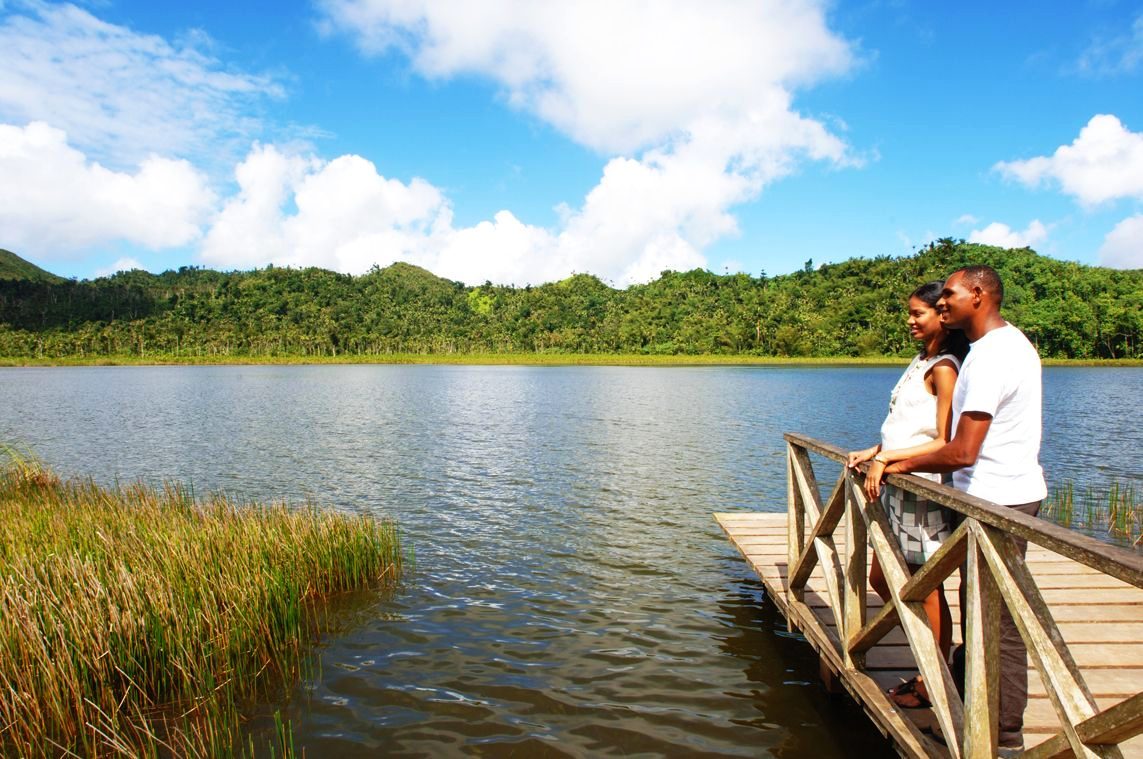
(518, 141)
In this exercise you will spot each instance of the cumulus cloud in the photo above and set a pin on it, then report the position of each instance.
(1123, 246)
(343, 214)
(55, 201)
(123, 264)
(120, 95)
(1104, 163)
(967, 219)
(1004, 236)
(693, 102)
(613, 75)
(693, 107)
(645, 215)
(300, 211)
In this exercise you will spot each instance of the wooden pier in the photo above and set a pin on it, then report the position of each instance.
(1078, 603)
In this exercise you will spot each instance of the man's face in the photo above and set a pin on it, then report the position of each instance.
(958, 302)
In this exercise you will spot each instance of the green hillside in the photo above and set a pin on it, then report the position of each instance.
(14, 267)
(851, 308)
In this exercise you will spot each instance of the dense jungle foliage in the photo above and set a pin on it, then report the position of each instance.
(853, 308)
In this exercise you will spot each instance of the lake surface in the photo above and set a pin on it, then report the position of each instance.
(571, 594)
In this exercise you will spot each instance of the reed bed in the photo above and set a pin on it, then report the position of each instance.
(137, 621)
(1115, 510)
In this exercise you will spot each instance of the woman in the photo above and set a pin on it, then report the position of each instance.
(919, 421)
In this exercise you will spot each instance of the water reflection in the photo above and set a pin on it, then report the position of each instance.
(571, 595)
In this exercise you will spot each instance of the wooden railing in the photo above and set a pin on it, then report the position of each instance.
(995, 574)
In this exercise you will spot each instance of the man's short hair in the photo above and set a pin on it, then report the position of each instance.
(984, 277)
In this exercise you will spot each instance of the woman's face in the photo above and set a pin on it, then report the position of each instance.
(924, 321)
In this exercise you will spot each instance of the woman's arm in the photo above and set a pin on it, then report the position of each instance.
(856, 457)
(944, 380)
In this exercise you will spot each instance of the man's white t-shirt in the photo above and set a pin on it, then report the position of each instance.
(1001, 377)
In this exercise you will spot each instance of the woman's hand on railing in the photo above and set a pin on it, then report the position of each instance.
(876, 469)
(873, 477)
(853, 458)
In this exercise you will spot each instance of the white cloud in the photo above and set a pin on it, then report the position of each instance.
(120, 95)
(694, 104)
(1004, 236)
(123, 264)
(1121, 54)
(1123, 246)
(966, 219)
(300, 211)
(344, 215)
(613, 75)
(693, 101)
(1105, 162)
(54, 201)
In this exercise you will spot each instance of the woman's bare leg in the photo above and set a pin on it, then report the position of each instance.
(940, 622)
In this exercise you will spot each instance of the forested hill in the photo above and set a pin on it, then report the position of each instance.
(853, 308)
(14, 267)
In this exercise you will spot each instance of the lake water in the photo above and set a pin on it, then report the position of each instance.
(571, 594)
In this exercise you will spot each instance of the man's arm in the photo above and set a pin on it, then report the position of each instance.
(957, 453)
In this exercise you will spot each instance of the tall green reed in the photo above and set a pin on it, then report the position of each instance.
(1115, 510)
(143, 622)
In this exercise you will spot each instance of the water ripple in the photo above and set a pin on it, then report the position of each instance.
(571, 595)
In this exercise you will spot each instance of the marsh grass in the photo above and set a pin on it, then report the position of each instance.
(1115, 510)
(142, 622)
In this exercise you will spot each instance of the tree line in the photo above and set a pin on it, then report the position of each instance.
(852, 308)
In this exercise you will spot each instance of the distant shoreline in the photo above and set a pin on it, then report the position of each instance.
(508, 359)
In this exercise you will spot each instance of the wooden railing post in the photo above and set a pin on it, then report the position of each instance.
(982, 656)
(796, 524)
(856, 574)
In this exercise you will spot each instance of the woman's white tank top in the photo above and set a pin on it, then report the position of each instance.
(912, 418)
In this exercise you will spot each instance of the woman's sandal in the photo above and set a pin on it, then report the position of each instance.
(909, 688)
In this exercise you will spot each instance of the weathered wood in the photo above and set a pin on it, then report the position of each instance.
(822, 531)
(807, 483)
(883, 621)
(1118, 562)
(823, 543)
(946, 701)
(1121, 682)
(1112, 725)
(1046, 648)
(1091, 589)
(1079, 633)
(796, 513)
(982, 671)
(1110, 685)
(856, 573)
(905, 733)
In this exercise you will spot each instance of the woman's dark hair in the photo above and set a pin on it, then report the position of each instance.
(955, 341)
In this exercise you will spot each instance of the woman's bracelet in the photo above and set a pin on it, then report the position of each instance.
(880, 458)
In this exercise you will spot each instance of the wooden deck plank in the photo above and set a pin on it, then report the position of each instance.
(1101, 619)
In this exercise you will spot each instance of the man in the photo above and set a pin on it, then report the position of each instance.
(995, 448)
